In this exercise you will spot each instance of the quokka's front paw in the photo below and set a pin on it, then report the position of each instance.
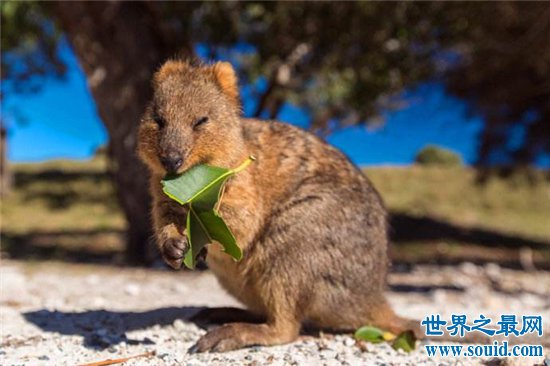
(173, 246)
(173, 251)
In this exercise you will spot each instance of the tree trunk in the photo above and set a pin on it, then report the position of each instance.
(5, 173)
(119, 46)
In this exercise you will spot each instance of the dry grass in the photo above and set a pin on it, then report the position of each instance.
(62, 208)
(519, 204)
(61, 196)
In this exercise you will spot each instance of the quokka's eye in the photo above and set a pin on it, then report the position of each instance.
(161, 122)
(200, 121)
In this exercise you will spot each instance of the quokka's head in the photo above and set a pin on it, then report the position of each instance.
(194, 118)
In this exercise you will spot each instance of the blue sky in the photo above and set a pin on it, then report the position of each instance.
(60, 121)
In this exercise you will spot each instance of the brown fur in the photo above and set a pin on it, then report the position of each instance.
(312, 227)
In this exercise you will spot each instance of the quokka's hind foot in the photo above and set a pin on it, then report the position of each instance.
(238, 335)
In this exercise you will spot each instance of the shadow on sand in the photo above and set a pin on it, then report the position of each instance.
(101, 329)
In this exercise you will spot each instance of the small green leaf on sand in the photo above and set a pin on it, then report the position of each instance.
(200, 188)
(405, 341)
(372, 334)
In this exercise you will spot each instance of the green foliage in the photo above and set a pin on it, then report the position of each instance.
(405, 340)
(436, 155)
(200, 189)
(342, 61)
(373, 334)
(502, 68)
(29, 44)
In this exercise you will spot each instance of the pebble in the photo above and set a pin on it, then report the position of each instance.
(132, 289)
(180, 288)
(328, 354)
(98, 302)
(493, 271)
(349, 342)
(179, 324)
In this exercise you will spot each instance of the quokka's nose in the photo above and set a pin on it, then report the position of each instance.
(171, 163)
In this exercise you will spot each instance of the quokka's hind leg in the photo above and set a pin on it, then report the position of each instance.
(238, 335)
(224, 315)
(282, 326)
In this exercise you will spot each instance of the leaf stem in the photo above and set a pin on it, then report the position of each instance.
(244, 164)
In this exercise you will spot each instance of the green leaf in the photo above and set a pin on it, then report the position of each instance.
(197, 236)
(370, 334)
(200, 188)
(405, 341)
(184, 188)
(205, 227)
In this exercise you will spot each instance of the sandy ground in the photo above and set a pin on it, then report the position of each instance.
(62, 314)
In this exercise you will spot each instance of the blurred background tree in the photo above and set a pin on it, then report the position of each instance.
(503, 73)
(436, 155)
(343, 62)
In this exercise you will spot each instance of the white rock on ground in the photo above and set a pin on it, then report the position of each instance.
(61, 314)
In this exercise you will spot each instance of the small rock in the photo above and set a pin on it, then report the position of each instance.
(401, 352)
(147, 340)
(493, 271)
(469, 268)
(98, 302)
(179, 324)
(328, 354)
(132, 289)
(180, 288)
(164, 356)
(348, 342)
(323, 345)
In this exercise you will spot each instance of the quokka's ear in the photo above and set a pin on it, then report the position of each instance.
(226, 78)
(169, 68)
